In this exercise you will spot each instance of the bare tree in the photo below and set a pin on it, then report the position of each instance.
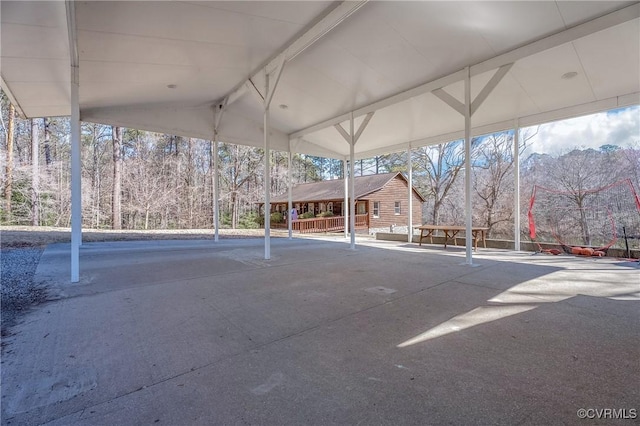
(578, 172)
(8, 188)
(240, 167)
(440, 165)
(47, 141)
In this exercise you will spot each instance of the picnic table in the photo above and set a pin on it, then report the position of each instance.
(450, 232)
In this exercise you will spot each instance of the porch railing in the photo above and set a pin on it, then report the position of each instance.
(323, 224)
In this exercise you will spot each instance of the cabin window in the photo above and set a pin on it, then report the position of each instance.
(396, 208)
(361, 208)
(376, 209)
(330, 207)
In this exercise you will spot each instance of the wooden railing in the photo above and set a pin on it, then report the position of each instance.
(323, 224)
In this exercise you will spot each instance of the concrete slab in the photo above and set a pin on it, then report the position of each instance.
(196, 332)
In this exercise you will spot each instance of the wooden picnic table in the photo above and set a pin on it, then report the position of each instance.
(450, 232)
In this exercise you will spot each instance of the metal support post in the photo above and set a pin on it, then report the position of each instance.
(290, 200)
(467, 167)
(516, 184)
(216, 190)
(345, 205)
(76, 176)
(352, 218)
(410, 212)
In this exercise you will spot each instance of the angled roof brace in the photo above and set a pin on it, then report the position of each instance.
(347, 136)
(445, 97)
(488, 88)
(331, 19)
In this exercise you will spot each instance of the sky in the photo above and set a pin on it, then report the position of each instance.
(616, 127)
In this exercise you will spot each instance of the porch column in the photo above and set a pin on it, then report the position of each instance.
(345, 205)
(289, 198)
(352, 218)
(216, 189)
(516, 184)
(410, 179)
(268, 96)
(351, 137)
(467, 110)
(76, 182)
(267, 180)
(76, 160)
(217, 117)
(467, 167)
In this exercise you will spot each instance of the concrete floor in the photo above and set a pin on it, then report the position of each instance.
(197, 332)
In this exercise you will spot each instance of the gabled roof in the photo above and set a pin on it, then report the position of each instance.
(334, 189)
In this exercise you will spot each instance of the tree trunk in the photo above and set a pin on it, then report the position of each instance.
(35, 171)
(8, 189)
(47, 139)
(116, 200)
(234, 211)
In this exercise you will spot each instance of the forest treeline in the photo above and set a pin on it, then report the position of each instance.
(135, 179)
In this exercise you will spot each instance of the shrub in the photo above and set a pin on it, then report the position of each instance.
(326, 214)
(277, 217)
(307, 215)
(250, 220)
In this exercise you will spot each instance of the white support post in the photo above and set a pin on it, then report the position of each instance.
(76, 183)
(219, 111)
(467, 167)
(76, 159)
(352, 218)
(216, 189)
(516, 184)
(467, 110)
(268, 96)
(290, 200)
(345, 204)
(410, 212)
(351, 137)
(267, 179)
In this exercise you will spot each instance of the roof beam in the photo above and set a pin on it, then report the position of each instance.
(571, 34)
(566, 36)
(12, 99)
(318, 29)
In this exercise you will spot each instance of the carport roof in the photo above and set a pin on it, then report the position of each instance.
(167, 66)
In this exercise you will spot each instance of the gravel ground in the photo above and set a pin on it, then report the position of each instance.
(19, 292)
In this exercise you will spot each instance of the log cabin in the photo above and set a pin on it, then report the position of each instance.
(381, 204)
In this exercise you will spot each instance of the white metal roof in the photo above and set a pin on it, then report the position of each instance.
(379, 56)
